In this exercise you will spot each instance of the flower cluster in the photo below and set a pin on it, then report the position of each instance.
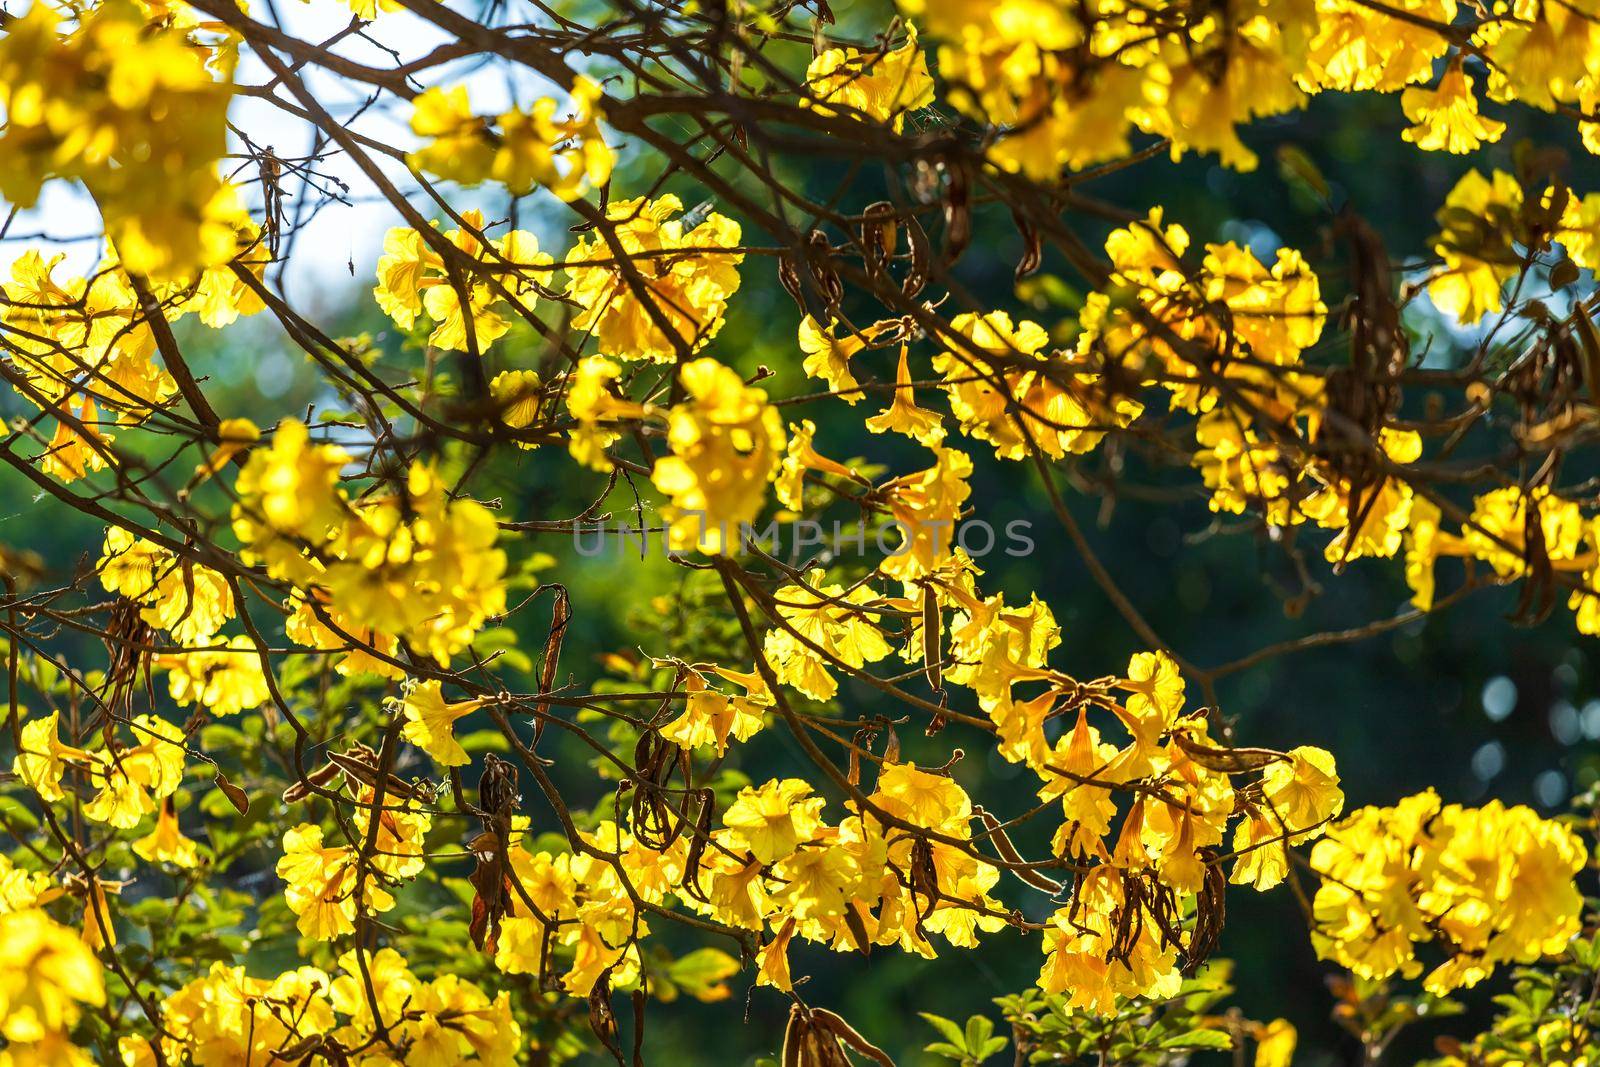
(229, 1017)
(520, 149)
(47, 976)
(138, 114)
(408, 565)
(1492, 884)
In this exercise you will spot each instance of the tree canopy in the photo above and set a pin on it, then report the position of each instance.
(642, 606)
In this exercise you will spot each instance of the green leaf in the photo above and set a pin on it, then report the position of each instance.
(702, 972)
(951, 1032)
(1197, 1039)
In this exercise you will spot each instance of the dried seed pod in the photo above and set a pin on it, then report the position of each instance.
(850, 1036)
(819, 260)
(1032, 246)
(816, 1037)
(1226, 760)
(1210, 913)
(560, 618)
(921, 257)
(957, 214)
(789, 277)
(878, 235)
(236, 796)
(1589, 338)
(1008, 852)
(602, 1020)
(932, 638)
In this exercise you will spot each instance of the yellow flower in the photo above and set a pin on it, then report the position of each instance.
(305, 627)
(1064, 410)
(772, 960)
(320, 884)
(95, 103)
(226, 1016)
(224, 682)
(130, 781)
(42, 759)
(832, 620)
(933, 801)
(925, 507)
(601, 942)
(166, 843)
(1091, 964)
(430, 722)
(1447, 116)
(189, 601)
(774, 819)
(46, 973)
(566, 156)
(1479, 225)
(903, 416)
(288, 492)
(882, 85)
(827, 357)
(1275, 1043)
(1155, 700)
(1373, 523)
(1498, 532)
(412, 563)
(413, 278)
(520, 148)
(1299, 796)
(398, 850)
(1303, 792)
(1262, 862)
(711, 718)
(801, 457)
(686, 278)
(992, 645)
(517, 392)
(1079, 759)
(1494, 884)
(1191, 814)
(727, 443)
(594, 404)
(19, 888)
(460, 146)
(1361, 48)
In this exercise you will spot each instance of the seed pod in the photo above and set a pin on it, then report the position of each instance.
(236, 796)
(319, 777)
(932, 638)
(819, 260)
(560, 617)
(1032, 246)
(815, 1037)
(857, 928)
(1226, 760)
(957, 214)
(602, 1020)
(1589, 338)
(848, 1034)
(790, 278)
(1209, 914)
(697, 845)
(1008, 852)
(877, 235)
(921, 256)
